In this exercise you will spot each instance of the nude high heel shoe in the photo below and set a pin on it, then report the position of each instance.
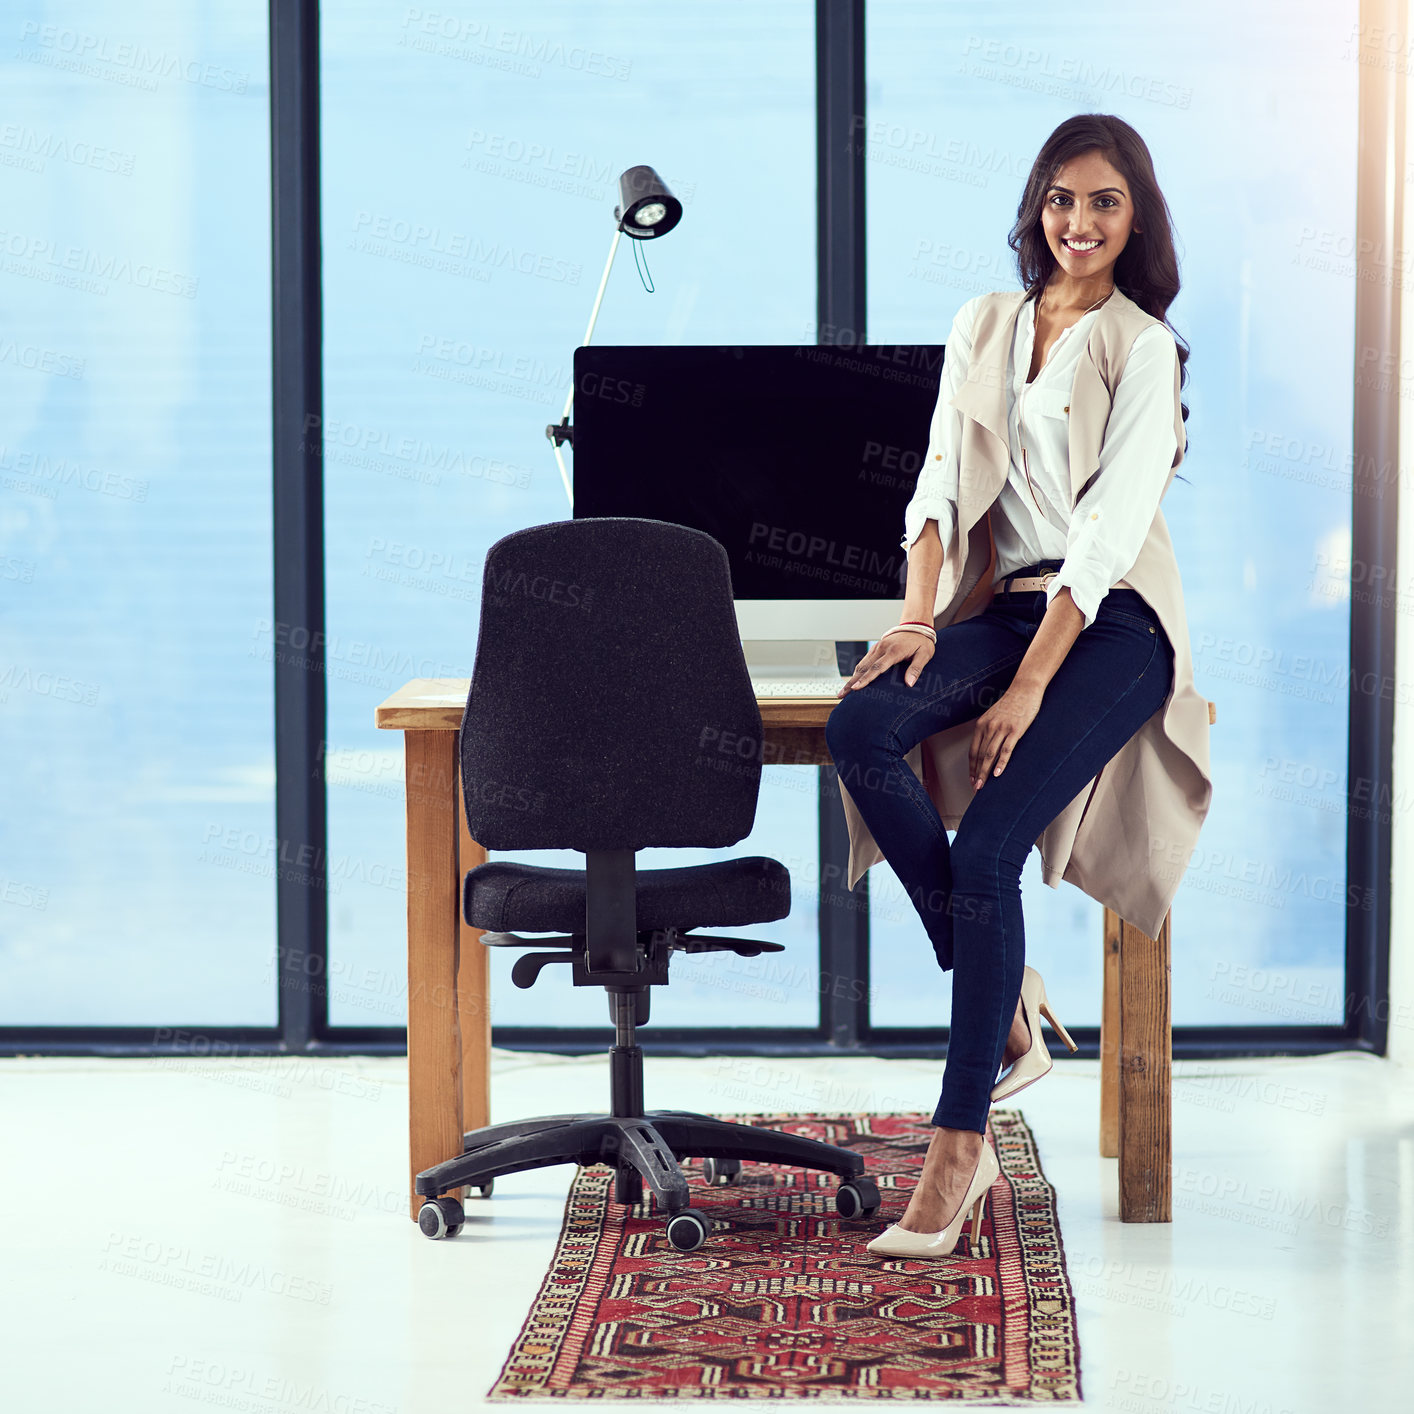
(1032, 1064)
(896, 1241)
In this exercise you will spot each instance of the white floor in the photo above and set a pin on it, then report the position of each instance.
(232, 1235)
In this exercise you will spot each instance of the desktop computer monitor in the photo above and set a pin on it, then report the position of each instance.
(798, 459)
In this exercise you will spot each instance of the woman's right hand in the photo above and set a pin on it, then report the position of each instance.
(894, 648)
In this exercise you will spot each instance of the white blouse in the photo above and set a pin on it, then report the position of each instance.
(1100, 540)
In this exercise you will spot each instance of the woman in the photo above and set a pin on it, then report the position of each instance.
(1065, 662)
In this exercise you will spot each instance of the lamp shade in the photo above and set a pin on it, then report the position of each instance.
(647, 207)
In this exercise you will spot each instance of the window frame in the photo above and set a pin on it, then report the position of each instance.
(844, 1024)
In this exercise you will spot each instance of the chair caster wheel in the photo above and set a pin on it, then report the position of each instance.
(717, 1173)
(484, 1190)
(440, 1217)
(857, 1198)
(688, 1229)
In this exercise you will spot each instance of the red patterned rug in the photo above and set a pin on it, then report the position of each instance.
(783, 1302)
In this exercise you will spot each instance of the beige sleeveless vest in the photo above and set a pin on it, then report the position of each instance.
(1127, 836)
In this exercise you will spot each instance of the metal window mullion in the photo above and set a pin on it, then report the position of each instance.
(297, 641)
(839, 107)
(1379, 219)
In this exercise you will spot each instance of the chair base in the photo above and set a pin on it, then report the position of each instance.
(646, 1148)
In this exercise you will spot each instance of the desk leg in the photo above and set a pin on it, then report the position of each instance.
(434, 1046)
(473, 991)
(1145, 1077)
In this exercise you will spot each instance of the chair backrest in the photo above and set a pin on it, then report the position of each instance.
(610, 703)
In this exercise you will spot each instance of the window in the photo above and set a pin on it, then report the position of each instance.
(1254, 145)
(467, 215)
(135, 685)
(469, 171)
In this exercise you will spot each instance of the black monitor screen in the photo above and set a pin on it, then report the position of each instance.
(799, 460)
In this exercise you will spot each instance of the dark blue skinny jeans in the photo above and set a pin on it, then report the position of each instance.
(968, 892)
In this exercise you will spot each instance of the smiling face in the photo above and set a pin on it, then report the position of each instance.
(1087, 217)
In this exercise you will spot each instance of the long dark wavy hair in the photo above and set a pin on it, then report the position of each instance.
(1147, 268)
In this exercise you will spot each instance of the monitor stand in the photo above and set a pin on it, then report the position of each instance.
(793, 667)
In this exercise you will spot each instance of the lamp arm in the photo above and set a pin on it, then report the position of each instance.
(560, 432)
(603, 281)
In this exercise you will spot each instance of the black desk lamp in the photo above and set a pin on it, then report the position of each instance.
(647, 209)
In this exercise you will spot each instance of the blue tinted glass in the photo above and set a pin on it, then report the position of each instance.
(1254, 145)
(470, 167)
(135, 683)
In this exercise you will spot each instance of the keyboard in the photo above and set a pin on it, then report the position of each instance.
(798, 687)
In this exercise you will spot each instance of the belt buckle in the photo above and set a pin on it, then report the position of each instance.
(1046, 577)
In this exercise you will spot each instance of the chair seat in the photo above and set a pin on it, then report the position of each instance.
(503, 896)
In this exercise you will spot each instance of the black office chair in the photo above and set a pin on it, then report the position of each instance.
(610, 711)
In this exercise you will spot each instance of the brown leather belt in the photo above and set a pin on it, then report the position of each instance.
(1031, 583)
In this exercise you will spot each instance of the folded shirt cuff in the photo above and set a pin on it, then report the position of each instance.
(1086, 594)
(919, 514)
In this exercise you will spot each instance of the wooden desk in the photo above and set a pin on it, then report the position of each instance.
(449, 1020)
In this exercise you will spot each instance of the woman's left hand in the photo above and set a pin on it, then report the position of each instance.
(998, 730)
